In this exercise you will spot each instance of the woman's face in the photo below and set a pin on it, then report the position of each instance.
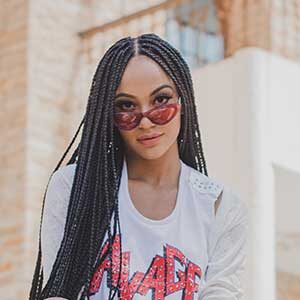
(146, 86)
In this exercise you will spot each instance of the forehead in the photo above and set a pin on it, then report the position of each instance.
(142, 75)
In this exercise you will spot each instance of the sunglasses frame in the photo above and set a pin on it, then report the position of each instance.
(140, 115)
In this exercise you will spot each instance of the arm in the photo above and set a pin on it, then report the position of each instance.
(227, 250)
(55, 212)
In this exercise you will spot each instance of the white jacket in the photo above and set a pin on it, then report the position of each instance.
(191, 254)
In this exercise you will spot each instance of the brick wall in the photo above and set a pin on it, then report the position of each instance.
(269, 24)
(13, 92)
(288, 286)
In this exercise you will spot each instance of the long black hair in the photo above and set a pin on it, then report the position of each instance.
(99, 158)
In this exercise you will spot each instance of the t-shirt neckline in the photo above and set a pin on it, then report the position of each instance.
(132, 209)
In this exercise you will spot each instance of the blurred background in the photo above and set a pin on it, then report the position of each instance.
(244, 58)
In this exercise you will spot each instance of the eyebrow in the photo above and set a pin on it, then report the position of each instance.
(152, 93)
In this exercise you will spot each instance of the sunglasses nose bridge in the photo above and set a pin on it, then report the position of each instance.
(143, 117)
(145, 110)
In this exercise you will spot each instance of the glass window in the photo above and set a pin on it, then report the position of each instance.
(194, 29)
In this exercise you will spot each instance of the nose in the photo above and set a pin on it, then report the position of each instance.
(145, 123)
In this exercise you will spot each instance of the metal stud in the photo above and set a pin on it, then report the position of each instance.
(204, 185)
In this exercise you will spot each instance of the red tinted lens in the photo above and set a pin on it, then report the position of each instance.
(163, 114)
(126, 120)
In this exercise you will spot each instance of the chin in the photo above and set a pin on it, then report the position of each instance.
(151, 153)
(151, 156)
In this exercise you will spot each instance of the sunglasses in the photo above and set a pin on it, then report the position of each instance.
(158, 115)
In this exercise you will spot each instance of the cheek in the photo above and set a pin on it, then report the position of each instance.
(127, 136)
(173, 127)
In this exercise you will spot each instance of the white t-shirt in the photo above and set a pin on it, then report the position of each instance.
(190, 254)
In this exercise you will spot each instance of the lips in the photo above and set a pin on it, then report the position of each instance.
(149, 136)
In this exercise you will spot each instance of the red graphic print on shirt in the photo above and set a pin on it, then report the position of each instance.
(159, 279)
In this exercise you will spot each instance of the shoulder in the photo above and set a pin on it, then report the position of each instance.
(63, 177)
(224, 198)
(207, 188)
(204, 184)
(233, 209)
(59, 187)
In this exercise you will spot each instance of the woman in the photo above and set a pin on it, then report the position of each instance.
(133, 214)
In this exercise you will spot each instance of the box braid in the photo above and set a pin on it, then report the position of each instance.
(175, 66)
(99, 160)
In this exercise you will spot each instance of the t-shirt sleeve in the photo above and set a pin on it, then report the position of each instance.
(227, 250)
(54, 217)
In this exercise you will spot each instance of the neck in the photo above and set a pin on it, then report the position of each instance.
(162, 171)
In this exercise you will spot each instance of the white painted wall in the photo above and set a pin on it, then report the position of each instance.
(285, 95)
(249, 108)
